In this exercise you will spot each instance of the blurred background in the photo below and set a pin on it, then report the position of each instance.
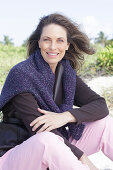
(18, 19)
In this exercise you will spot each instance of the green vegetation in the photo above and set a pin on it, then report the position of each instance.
(9, 56)
(89, 68)
(105, 59)
(7, 40)
(102, 39)
(101, 63)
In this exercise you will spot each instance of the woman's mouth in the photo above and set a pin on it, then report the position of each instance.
(52, 55)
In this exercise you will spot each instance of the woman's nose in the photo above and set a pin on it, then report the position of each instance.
(53, 46)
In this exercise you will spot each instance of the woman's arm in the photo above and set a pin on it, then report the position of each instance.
(84, 159)
(92, 107)
(26, 109)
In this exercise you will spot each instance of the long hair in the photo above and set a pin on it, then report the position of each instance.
(79, 42)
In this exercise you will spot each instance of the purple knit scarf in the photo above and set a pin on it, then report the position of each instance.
(35, 76)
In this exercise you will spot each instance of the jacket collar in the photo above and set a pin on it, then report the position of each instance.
(58, 87)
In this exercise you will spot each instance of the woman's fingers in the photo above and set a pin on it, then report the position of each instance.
(34, 122)
(40, 117)
(43, 128)
(37, 124)
(37, 120)
(49, 121)
(43, 111)
(49, 129)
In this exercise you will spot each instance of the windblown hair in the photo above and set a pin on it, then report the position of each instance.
(79, 42)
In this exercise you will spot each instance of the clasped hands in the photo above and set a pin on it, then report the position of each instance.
(51, 120)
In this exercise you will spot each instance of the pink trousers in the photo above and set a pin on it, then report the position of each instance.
(48, 150)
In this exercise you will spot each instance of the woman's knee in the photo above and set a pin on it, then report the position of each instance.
(103, 123)
(99, 124)
(45, 138)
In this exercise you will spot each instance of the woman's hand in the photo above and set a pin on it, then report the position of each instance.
(84, 159)
(51, 120)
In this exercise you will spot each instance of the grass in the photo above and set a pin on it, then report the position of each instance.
(9, 56)
(89, 68)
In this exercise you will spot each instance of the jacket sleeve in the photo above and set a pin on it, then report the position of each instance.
(26, 108)
(90, 106)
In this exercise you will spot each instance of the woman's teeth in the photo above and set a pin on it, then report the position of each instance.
(52, 54)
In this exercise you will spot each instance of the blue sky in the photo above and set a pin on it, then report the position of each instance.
(19, 18)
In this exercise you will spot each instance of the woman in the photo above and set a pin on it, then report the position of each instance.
(40, 92)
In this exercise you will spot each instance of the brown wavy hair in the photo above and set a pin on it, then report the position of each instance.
(79, 42)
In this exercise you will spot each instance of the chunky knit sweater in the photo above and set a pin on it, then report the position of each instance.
(34, 75)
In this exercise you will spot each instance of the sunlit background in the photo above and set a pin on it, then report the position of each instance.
(18, 19)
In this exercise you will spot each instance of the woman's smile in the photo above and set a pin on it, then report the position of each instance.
(53, 44)
(52, 55)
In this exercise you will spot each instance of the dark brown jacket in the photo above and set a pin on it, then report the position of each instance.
(91, 107)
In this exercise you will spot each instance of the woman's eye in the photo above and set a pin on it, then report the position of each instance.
(60, 40)
(46, 39)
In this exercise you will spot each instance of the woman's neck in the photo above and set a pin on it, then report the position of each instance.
(53, 67)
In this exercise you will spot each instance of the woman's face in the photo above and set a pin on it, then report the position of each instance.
(53, 44)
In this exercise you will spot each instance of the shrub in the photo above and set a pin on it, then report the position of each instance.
(89, 68)
(9, 56)
(105, 59)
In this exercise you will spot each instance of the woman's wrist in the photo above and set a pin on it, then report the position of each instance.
(84, 159)
(69, 117)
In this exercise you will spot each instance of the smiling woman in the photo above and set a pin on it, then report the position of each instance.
(53, 44)
(37, 103)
